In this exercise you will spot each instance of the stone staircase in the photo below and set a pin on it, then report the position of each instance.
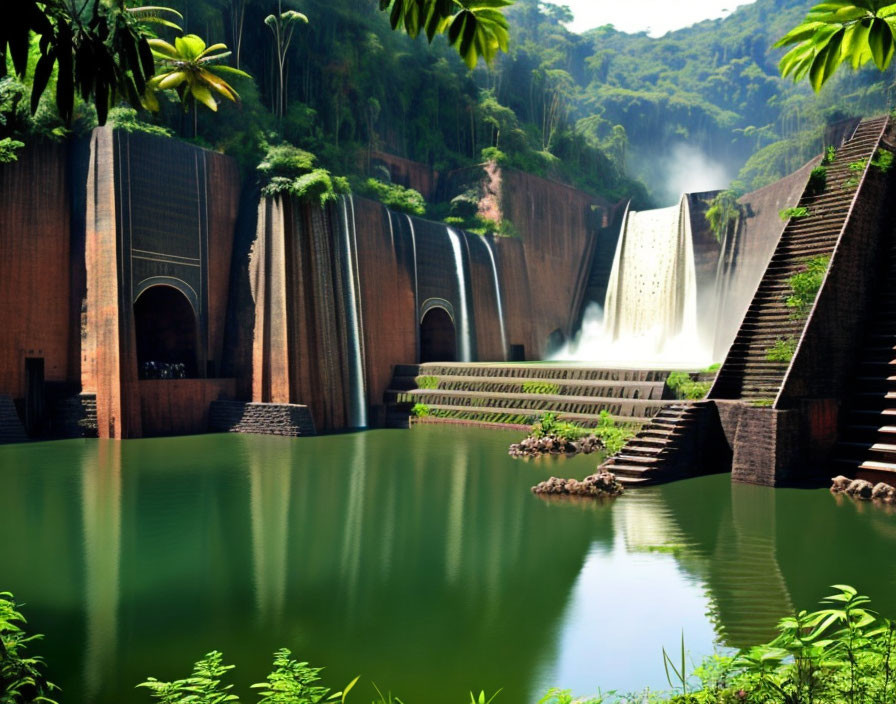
(655, 454)
(286, 419)
(519, 394)
(11, 428)
(867, 443)
(747, 372)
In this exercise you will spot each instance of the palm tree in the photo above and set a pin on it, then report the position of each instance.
(188, 67)
(837, 32)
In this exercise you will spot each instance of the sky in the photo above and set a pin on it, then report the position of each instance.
(656, 16)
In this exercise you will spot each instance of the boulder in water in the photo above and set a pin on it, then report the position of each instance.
(883, 492)
(840, 484)
(860, 489)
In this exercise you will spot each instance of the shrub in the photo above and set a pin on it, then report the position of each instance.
(22, 680)
(549, 425)
(9, 149)
(427, 382)
(818, 181)
(805, 285)
(723, 212)
(286, 169)
(393, 196)
(421, 410)
(540, 387)
(883, 160)
(613, 435)
(830, 153)
(128, 120)
(782, 350)
(712, 368)
(793, 213)
(684, 387)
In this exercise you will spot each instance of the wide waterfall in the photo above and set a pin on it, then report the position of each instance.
(358, 406)
(650, 311)
(491, 254)
(463, 314)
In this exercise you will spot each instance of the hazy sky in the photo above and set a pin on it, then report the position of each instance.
(656, 16)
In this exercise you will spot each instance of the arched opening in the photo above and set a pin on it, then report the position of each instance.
(166, 334)
(438, 342)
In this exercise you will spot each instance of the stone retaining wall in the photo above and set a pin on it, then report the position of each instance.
(260, 418)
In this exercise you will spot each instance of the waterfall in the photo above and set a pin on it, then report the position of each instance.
(491, 254)
(650, 310)
(358, 407)
(464, 313)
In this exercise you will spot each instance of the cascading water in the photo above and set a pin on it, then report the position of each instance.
(464, 313)
(358, 407)
(491, 254)
(650, 310)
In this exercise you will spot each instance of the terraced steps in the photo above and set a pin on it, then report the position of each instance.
(653, 455)
(11, 428)
(520, 394)
(747, 373)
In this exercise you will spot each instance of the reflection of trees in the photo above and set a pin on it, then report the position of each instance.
(101, 516)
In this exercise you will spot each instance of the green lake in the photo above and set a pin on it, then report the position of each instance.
(418, 559)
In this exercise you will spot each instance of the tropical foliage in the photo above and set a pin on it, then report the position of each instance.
(188, 66)
(476, 28)
(22, 678)
(837, 32)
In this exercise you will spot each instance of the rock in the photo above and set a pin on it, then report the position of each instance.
(860, 489)
(840, 484)
(597, 485)
(883, 492)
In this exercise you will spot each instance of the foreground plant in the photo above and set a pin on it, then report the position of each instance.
(22, 680)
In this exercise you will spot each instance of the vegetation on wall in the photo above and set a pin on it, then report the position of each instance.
(393, 196)
(723, 213)
(805, 285)
(683, 386)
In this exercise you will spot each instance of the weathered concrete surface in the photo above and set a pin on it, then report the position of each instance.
(35, 266)
(180, 406)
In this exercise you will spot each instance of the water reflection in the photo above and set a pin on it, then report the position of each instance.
(411, 558)
(101, 517)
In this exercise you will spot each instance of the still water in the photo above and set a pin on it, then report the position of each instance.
(417, 559)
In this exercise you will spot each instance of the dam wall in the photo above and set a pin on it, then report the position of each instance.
(143, 272)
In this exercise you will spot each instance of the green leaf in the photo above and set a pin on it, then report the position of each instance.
(880, 41)
(204, 95)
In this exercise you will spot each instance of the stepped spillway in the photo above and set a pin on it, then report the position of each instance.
(519, 394)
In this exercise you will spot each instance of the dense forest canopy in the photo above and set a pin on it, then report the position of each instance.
(598, 110)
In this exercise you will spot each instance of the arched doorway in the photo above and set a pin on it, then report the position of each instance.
(166, 329)
(438, 342)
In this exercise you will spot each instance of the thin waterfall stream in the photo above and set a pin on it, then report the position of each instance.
(491, 254)
(358, 407)
(464, 313)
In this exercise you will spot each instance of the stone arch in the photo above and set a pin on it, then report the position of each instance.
(167, 333)
(438, 336)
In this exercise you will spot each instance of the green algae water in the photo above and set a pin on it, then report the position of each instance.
(417, 559)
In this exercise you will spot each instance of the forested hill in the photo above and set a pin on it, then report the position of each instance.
(598, 110)
(716, 85)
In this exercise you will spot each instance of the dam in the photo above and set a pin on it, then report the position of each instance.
(273, 315)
